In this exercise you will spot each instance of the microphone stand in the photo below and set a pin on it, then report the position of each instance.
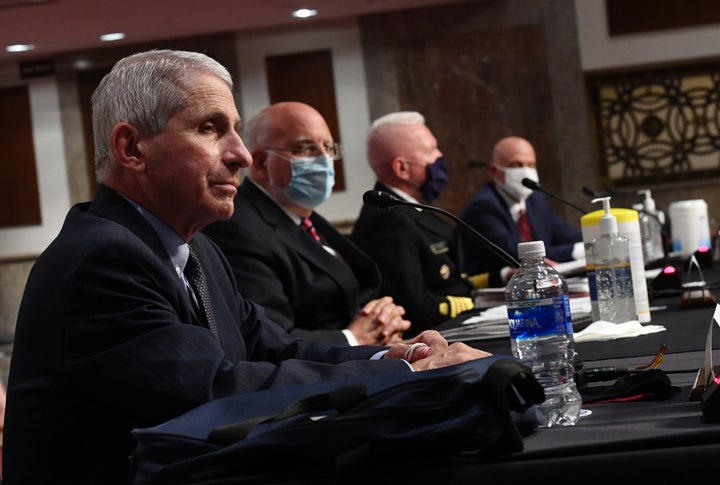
(531, 184)
(498, 251)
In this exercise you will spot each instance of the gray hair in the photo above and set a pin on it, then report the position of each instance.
(382, 138)
(397, 118)
(144, 90)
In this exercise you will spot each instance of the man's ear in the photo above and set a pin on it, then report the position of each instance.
(125, 144)
(400, 168)
(259, 164)
(495, 173)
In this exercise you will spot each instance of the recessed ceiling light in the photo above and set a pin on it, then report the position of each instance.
(20, 47)
(303, 13)
(113, 36)
(82, 64)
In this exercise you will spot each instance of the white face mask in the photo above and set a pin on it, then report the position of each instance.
(513, 181)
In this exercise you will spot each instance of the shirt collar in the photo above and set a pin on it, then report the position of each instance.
(295, 218)
(515, 210)
(404, 196)
(171, 240)
(513, 206)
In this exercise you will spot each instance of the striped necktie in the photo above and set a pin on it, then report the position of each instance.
(308, 227)
(196, 277)
(524, 225)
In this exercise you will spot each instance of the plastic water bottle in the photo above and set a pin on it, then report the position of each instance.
(541, 337)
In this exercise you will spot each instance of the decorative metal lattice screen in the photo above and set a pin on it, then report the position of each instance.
(658, 126)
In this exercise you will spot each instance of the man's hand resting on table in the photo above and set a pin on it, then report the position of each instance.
(430, 350)
(379, 322)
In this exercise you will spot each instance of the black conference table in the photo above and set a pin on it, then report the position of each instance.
(657, 441)
(646, 441)
(663, 441)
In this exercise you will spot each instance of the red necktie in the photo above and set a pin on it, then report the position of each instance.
(307, 225)
(524, 225)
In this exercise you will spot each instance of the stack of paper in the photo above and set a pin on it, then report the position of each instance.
(493, 322)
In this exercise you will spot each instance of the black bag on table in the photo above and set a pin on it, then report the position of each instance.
(347, 428)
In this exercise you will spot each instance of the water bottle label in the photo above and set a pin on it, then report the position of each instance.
(540, 318)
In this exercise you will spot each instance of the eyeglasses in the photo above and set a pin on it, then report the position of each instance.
(657, 360)
(335, 151)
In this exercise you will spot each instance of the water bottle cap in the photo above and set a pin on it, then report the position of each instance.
(531, 249)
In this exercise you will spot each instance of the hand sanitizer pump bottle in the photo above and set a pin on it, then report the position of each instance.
(613, 271)
(652, 221)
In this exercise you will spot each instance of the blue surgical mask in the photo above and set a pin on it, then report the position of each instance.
(312, 180)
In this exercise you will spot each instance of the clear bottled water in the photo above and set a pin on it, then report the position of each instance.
(541, 337)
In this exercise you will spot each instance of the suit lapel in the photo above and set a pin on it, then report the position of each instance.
(321, 260)
(110, 205)
(503, 209)
(364, 271)
(426, 220)
(536, 214)
(291, 235)
(431, 223)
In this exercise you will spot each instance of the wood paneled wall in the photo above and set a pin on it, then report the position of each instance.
(19, 193)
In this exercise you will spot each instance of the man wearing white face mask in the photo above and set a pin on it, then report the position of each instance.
(507, 212)
(285, 256)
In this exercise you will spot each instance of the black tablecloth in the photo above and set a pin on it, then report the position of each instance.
(655, 442)
(663, 442)
(642, 442)
(686, 332)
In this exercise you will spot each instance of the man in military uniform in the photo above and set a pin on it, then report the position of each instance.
(416, 250)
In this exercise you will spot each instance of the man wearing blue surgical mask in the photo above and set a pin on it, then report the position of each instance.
(416, 250)
(310, 278)
(507, 212)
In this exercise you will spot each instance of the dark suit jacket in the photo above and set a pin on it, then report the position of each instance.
(417, 253)
(105, 342)
(488, 213)
(309, 292)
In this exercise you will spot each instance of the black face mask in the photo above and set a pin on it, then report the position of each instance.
(437, 179)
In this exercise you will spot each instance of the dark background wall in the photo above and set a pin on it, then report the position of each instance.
(477, 70)
(482, 70)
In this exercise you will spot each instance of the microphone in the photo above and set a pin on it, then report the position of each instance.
(596, 194)
(386, 200)
(592, 192)
(381, 199)
(531, 184)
